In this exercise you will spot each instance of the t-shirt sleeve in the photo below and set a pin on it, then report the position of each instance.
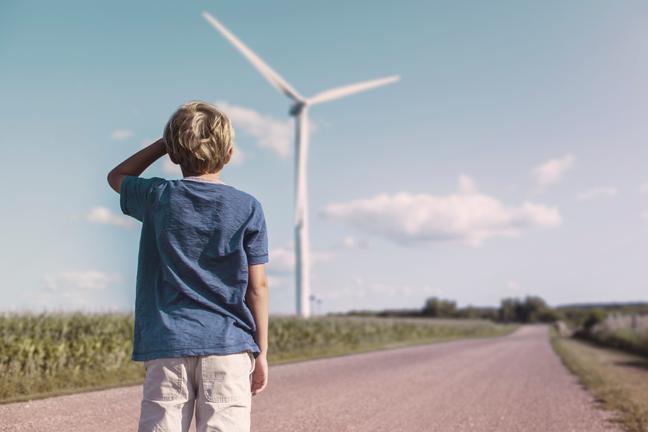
(255, 240)
(134, 193)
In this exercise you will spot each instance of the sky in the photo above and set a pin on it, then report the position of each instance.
(509, 160)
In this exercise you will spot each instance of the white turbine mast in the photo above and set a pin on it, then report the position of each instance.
(299, 110)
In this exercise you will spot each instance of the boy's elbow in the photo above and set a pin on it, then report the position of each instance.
(113, 181)
(259, 288)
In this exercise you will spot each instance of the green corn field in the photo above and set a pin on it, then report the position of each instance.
(55, 353)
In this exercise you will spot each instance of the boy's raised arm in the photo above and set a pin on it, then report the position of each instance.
(136, 164)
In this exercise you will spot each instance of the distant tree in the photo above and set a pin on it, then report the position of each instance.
(550, 316)
(530, 310)
(508, 311)
(438, 308)
(594, 317)
(469, 312)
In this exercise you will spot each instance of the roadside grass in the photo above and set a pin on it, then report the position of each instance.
(46, 355)
(617, 379)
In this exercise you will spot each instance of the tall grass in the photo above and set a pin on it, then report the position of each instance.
(58, 352)
(626, 332)
(44, 352)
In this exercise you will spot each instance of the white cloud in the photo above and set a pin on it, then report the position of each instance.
(145, 142)
(270, 133)
(92, 280)
(468, 216)
(238, 157)
(105, 216)
(170, 168)
(76, 289)
(375, 294)
(282, 259)
(513, 285)
(552, 171)
(644, 188)
(598, 192)
(644, 215)
(121, 134)
(350, 242)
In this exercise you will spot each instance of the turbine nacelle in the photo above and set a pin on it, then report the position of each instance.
(297, 108)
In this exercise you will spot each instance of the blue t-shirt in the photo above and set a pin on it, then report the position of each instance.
(197, 241)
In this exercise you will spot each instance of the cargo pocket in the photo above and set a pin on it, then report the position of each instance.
(226, 378)
(166, 380)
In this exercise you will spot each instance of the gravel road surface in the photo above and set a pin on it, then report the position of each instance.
(506, 384)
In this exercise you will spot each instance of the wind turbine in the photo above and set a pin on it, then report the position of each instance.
(299, 110)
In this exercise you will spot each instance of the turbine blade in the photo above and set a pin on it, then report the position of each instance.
(341, 92)
(268, 73)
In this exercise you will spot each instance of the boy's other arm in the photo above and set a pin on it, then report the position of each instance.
(136, 164)
(257, 300)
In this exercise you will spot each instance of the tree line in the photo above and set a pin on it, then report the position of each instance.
(529, 309)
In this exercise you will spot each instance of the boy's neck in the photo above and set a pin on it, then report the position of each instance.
(207, 176)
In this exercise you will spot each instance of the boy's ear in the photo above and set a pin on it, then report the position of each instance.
(229, 155)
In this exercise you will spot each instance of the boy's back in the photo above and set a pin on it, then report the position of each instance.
(197, 241)
(201, 304)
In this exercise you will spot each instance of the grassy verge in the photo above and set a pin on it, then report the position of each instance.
(54, 354)
(618, 380)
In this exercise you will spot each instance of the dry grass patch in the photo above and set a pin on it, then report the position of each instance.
(617, 379)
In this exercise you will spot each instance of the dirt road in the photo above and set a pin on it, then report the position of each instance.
(507, 384)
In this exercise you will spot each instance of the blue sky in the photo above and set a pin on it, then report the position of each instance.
(509, 160)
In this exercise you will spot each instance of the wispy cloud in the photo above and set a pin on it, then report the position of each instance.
(270, 133)
(170, 168)
(76, 289)
(351, 242)
(282, 259)
(644, 188)
(598, 192)
(552, 171)
(103, 215)
(467, 215)
(644, 215)
(121, 134)
(376, 294)
(513, 286)
(145, 142)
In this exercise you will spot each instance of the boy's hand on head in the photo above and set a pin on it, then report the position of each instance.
(260, 375)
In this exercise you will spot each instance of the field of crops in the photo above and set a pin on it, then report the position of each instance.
(42, 354)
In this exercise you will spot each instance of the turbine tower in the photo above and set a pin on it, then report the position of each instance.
(299, 110)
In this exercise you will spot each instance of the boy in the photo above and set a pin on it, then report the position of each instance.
(201, 306)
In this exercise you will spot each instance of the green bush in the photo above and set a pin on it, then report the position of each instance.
(594, 317)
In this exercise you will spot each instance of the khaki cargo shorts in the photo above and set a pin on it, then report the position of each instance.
(218, 386)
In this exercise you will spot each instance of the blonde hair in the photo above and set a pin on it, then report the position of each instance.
(198, 136)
